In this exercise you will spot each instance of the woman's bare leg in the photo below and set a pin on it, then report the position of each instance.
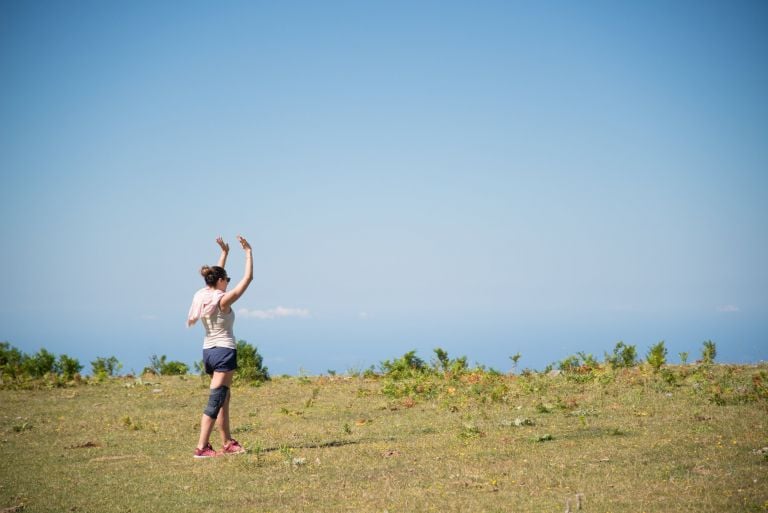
(223, 421)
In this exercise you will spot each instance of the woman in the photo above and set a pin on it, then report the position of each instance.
(213, 304)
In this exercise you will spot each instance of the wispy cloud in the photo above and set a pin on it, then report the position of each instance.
(727, 308)
(274, 313)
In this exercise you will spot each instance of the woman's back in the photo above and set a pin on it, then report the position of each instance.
(218, 329)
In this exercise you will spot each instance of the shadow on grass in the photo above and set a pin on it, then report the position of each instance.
(311, 445)
(594, 432)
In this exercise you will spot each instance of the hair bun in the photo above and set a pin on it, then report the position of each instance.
(206, 271)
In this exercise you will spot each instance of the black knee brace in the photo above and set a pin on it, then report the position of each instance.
(216, 401)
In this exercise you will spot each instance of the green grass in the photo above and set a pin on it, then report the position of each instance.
(629, 441)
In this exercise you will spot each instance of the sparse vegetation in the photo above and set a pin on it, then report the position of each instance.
(67, 367)
(103, 368)
(407, 366)
(515, 360)
(466, 441)
(623, 356)
(40, 364)
(18, 368)
(160, 366)
(708, 352)
(657, 356)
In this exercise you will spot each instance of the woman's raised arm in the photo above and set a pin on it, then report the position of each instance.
(224, 252)
(234, 294)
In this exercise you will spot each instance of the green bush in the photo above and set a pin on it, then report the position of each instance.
(579, 362)
(162, 367)
(407, 366)
(448, 366)
(16, 365)
(11, 361)
(623, 356)
(569, 364)
(174, 368)
(657, 356)
(490, 387)
(68, 367)
(708, 352)
(250, 364)
(515, 359)
(40, 364)
(425, 387)
(587, 360)
(102, 367)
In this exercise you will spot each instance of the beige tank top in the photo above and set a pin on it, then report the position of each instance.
(218, 329)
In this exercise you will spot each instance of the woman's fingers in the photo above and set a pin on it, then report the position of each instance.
(243, 242)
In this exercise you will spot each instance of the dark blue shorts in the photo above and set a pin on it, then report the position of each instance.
(219, 359)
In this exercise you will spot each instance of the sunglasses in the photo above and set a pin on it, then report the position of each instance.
(226, 278)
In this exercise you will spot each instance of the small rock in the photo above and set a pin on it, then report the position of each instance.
(297, 462)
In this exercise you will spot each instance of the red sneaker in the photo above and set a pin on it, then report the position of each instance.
(232, 447)
(205, 452)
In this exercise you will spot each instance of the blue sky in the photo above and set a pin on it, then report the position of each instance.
(487, 177)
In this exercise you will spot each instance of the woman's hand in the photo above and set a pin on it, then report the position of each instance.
(244, 243)
(224, 251)
(233, 295)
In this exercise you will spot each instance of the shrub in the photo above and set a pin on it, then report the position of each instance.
(708, 352)
(515, 359)
(423, 387)
(623, 356)
(570, 363)
(68, 367)
(250, 364)
(657, 356)
(587, 360)
(11, 360)
(408, 365)
(160, 366)
(488, 387)
(16, 364)
(444, 364)
(40, 364)
(102, 367)
(579, 362)
(174, 368)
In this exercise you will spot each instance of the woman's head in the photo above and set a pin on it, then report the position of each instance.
(215, 276)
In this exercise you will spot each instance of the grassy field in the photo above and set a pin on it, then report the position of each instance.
(690, 439)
